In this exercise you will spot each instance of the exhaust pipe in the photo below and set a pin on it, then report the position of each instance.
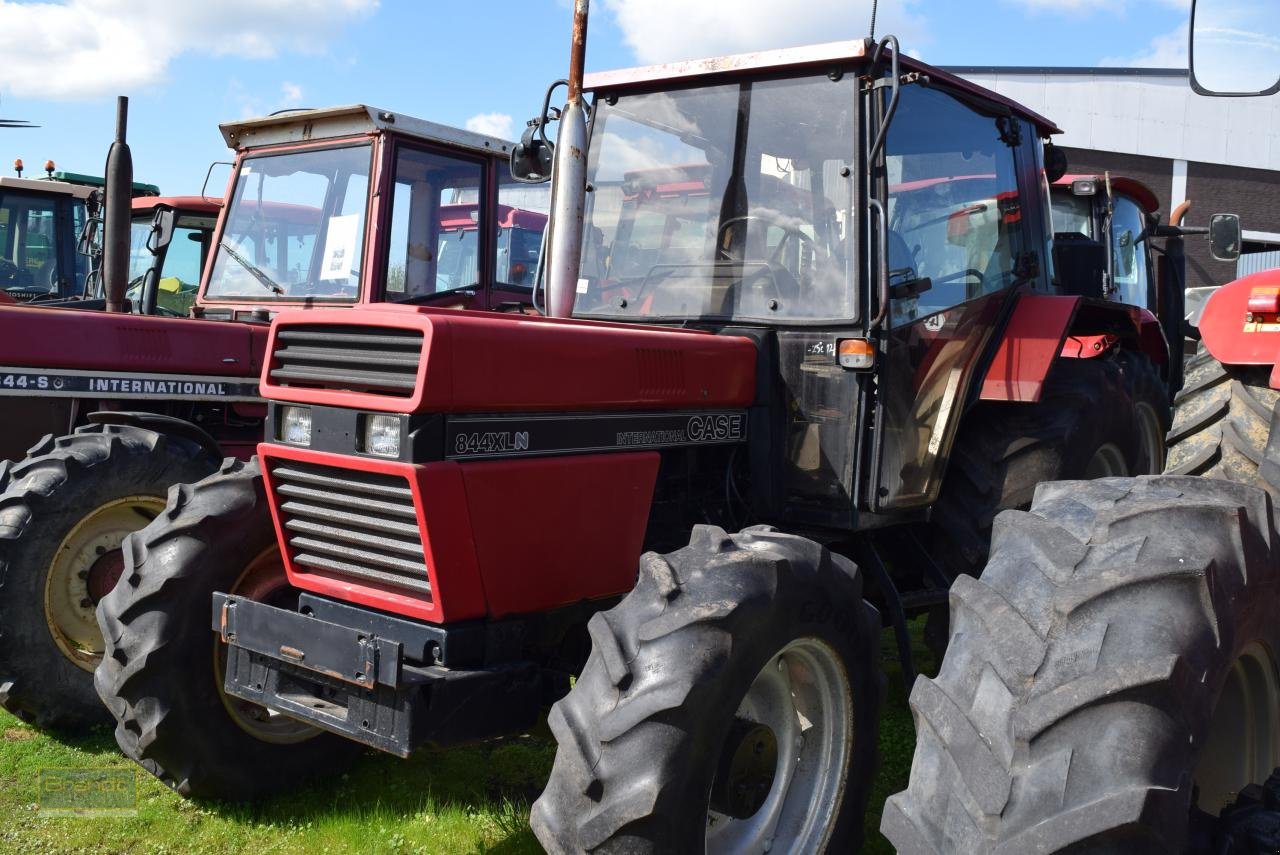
(569, 177)
(117, 213)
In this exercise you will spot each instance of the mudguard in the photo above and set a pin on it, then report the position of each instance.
(1240, 324)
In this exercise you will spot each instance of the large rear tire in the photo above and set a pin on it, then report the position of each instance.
(1085, 425)
(1114, 663)
(162, 674)
(64, 511)
(1221, 421)
(730, 703)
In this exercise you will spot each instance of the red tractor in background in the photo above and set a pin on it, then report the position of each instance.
(1111, 683)
(855, 338)
(132, 402)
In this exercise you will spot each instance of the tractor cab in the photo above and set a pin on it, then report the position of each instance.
(171, 235)
(354, 205)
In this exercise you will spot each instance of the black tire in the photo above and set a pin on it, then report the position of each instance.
(642, 730)
(1221, 420)
(159, 677)
(1004, 450)
(46, 664)
(1085, 668)
(1149, 395)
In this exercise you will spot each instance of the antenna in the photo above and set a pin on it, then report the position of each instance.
(874, 6)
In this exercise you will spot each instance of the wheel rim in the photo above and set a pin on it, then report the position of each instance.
(263, 581)
(1107, 462)
(84, 569)
(1152, 437)
(802, 699)
(1243, 745)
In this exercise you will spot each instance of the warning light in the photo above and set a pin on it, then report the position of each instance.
(17, 165)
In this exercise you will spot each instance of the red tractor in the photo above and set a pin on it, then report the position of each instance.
(809, 294)
(327, 208)
(1111, 683)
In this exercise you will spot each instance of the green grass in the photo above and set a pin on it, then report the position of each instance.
(467, 800)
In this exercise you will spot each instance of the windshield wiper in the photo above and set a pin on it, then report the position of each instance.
(263, 279)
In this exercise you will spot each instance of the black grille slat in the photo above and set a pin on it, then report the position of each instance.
(298, 475)
(377, 360)
(359, 503)
(360, 525)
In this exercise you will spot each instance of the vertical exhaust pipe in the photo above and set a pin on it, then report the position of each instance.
(117, 213)
(569, 176)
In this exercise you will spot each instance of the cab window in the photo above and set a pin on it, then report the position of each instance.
(1129, 252)
(954, 209)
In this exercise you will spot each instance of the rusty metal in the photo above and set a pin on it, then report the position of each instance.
(1178, 214)
(578, 49)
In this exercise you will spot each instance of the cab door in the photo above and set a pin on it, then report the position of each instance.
(958, 203)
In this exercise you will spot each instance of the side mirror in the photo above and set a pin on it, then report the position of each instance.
(161, 230)
(1235, 47)
(531, 158)
(1055, 162)
(1225, 236)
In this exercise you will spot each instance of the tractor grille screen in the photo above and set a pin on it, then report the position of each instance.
(356, 524)
(377, 360)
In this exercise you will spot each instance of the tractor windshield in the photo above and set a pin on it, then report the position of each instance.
(728, 202)
(295, 227)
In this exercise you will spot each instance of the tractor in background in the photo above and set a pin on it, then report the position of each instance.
(811, 296)
(1111, 683)
(132, 402)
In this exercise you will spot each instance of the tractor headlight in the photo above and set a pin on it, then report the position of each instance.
(295, 425)
(382, 435)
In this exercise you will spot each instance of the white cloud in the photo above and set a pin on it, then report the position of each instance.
(89, 48)
(493, 124)
(669, 30)
(1164, 51)
(290, 94)
(1071, 6)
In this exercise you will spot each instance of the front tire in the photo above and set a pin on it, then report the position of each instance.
(64, 511)
(1113, 664)
(162, 674)
(684, 731)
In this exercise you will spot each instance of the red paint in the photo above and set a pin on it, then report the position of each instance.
(495, 532)
(1087, 346)
(438, 496)
(546, 364)
(553, 531)
(198, 205)
(1031, 342)
(1227, 332)
(6, 299)
(100, 341)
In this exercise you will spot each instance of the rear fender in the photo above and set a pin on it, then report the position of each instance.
(1045, 328)
(1238, 325)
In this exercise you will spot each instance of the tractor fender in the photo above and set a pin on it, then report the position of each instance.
(162, 424)
(1240, 324)
(1037, 335)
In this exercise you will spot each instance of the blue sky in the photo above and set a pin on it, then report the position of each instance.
(189, 65)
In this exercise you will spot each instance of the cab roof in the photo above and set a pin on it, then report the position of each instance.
(821, 55)
(293, 126)
(45, 185)
(207, 205)
(1132, 187)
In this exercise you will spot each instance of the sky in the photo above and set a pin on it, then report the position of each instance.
(483, 64)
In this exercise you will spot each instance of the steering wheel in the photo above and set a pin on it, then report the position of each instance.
(787, 280)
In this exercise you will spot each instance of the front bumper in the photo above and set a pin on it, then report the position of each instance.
(383, 681)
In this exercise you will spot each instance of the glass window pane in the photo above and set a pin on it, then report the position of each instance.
(522, 218)
(434, 238)
(295, 227)
(28, 236)
(954, 209)
(1129, 252)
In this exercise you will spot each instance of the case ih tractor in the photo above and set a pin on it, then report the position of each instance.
(808, 294)
(130, 403)
(1111, 683)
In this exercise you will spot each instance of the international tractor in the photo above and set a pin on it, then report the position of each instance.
(326, 208)
(810, 296)
(1111, 682)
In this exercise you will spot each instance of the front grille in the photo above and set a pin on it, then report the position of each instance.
(356, 524)
(379, 360)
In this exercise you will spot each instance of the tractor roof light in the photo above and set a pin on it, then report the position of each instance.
(17, 166)
(1084, 187)
(856, 354)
